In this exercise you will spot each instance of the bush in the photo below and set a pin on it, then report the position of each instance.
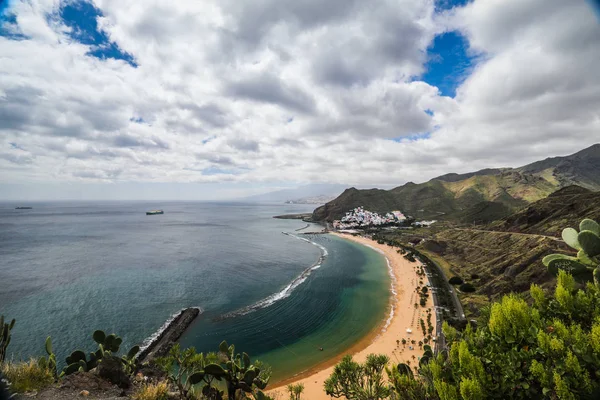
(474, 276)
(423, 302)
(456, 280)
(466, 288)
(27, 376)
(158, 391)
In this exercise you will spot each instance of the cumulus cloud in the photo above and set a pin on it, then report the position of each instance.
(267, 91)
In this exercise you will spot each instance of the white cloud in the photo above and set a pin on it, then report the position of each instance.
(293, 91)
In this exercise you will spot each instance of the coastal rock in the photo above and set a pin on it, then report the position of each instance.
(163, 343)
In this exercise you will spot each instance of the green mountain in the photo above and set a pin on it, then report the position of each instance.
(467, 197)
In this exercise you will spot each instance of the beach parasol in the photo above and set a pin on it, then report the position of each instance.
(408, 330)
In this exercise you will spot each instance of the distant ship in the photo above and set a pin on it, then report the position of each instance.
(154, 212)
(23, 208)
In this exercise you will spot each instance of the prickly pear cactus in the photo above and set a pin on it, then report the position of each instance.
(107, 345)
(240, 374)
(587, 244)
(51, 362)
(5, 336)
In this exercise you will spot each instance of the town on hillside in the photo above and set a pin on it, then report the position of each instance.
(361, 218)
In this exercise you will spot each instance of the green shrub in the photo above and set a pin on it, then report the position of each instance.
(157, 391)
(456, 280)
(27, 376)
(467, 288)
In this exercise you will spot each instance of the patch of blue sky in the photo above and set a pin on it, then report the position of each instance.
(8, 22)
(137, 120)
(596, 6)
(15, 146)
(4, 5)
(442, 5)
(219, 171)
(82, 17)
(449, 62)
(208, 139)
(412, 138)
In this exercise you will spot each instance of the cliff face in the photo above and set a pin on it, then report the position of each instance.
(454, 196)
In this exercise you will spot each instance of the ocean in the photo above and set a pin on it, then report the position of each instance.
(67, 269)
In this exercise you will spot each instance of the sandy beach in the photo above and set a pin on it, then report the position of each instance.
(402, 315)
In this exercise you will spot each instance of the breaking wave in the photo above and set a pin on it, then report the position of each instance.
(286, 291)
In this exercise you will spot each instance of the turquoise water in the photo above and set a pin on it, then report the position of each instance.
(67, 269)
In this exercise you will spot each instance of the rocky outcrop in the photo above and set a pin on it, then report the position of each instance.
(161, 345)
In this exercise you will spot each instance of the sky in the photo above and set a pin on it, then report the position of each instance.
(211, 99)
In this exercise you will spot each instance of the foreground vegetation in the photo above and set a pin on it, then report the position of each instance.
(550, 350)
(183, 374)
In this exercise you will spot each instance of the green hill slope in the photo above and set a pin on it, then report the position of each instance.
(505, 256)
(563, 208)
(452, 196)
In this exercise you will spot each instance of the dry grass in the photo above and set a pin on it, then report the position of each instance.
(26, 376)
(153, 391)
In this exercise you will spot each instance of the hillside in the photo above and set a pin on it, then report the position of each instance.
(451, 196)
(506, 255)
(581, 169)
(378, 200)
(563, 208)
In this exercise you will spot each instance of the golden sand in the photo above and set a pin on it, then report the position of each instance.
(384, 339)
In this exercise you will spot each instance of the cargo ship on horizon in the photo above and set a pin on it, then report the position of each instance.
(154, 212)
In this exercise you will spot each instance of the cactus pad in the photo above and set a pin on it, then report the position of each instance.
(570, 236)
(99, 336)
(589, 225)
(571, 266)
(546, 260)
(590, 243)
(214, 370)
(48, 345)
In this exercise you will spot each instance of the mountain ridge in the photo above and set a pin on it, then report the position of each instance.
(449, 195)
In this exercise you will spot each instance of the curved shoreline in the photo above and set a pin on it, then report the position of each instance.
(357, 347)
(383, 338)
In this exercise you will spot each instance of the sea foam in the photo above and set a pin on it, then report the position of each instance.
(286, 291)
